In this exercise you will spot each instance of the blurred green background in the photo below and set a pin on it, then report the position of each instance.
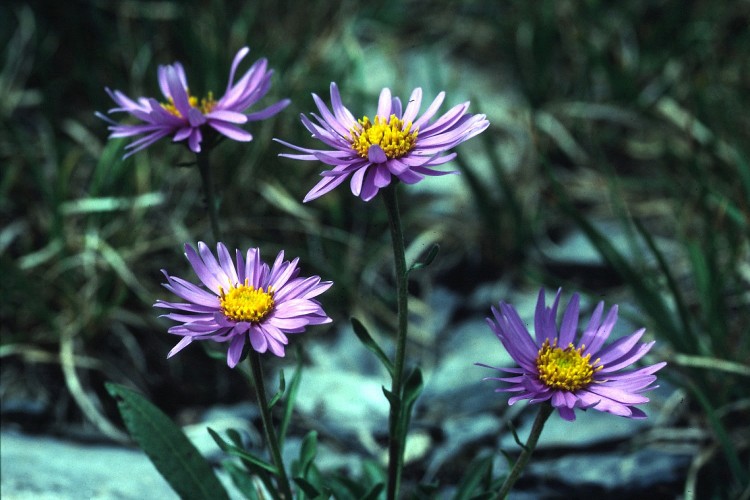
(622, 126)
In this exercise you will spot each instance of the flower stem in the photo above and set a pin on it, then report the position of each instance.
(265, 415)
(397, 435)
(536, 430)
(204, 167)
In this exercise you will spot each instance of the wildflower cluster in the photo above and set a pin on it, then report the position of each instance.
(254, 307)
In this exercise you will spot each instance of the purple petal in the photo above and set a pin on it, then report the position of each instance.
(593, 326)
(258, 340)
(343, 115)
(369, 188)
(412, 108)
(384, 104)
(326, 185)
(376, 154)
(602, 333)
(232, 131)
(569, 322)
(235, 63)
(235, 350)
(268, 111)
(430, 112)
(205, 273)
(180, 346)
(620, 347)
(227, 116)
(381, 176)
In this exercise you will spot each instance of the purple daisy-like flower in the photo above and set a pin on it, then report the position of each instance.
(394, 144)
(244, 301)
(583, 375)
(185, 117)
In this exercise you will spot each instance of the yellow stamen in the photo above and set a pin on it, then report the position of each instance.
(205, 106)
(246, 303)
(395, 138)
(567, 368)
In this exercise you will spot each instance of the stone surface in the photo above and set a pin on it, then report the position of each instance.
(45, 468)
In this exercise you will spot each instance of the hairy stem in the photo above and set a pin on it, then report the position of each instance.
(536, 430)
(265, 415)
(397, 435)
(204, 167)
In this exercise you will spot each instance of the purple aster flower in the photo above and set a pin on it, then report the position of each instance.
(583, 375)
(185, 117)
(394, 143)
(246, 300)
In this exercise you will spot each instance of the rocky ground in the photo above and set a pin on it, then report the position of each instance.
(459, 417)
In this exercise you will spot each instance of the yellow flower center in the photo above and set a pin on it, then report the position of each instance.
(205, 106)
(565, 369)
(246, 303)
(395, 138)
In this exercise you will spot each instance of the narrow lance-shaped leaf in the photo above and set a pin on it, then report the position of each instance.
(476, 472)
(364, 336)
(239, 452)
(290, 398)
(307, 488)
(374, 492)
(241, 479)
(427, 260)
(282, 387)
(307, 452)
(256, 466)
(412, 389)
(173, 455)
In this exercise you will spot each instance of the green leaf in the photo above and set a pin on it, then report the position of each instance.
(427, 260)
(307, 452)
(235, 437)
(173, 455)
(364, 336)
(282, 387)
(373, 472)
(239, 452)
(413, 387)
(392, 398)
(241, 479)
(374, 492)
(290, 398)
(515, 435)
(479, 469)
(307, 488)
(426, 491)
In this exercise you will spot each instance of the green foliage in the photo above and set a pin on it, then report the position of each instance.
(175, 457)
(364, 336)
(627, 115)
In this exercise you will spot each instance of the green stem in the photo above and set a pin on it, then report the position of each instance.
(396, 435)
(265, 415)
(536, 430)
(204, 167)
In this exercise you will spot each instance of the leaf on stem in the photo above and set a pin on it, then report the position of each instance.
(515, 435)
(364, 336)
(173, 455)
(290, 398)
(427, 260)
(374, 492)
(307, 452)
(480, 469)
(307, 488)
(413, 387)
(250, 459)
(241, 479)
(282, 387)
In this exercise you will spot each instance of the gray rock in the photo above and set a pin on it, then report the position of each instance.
(41, 468)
